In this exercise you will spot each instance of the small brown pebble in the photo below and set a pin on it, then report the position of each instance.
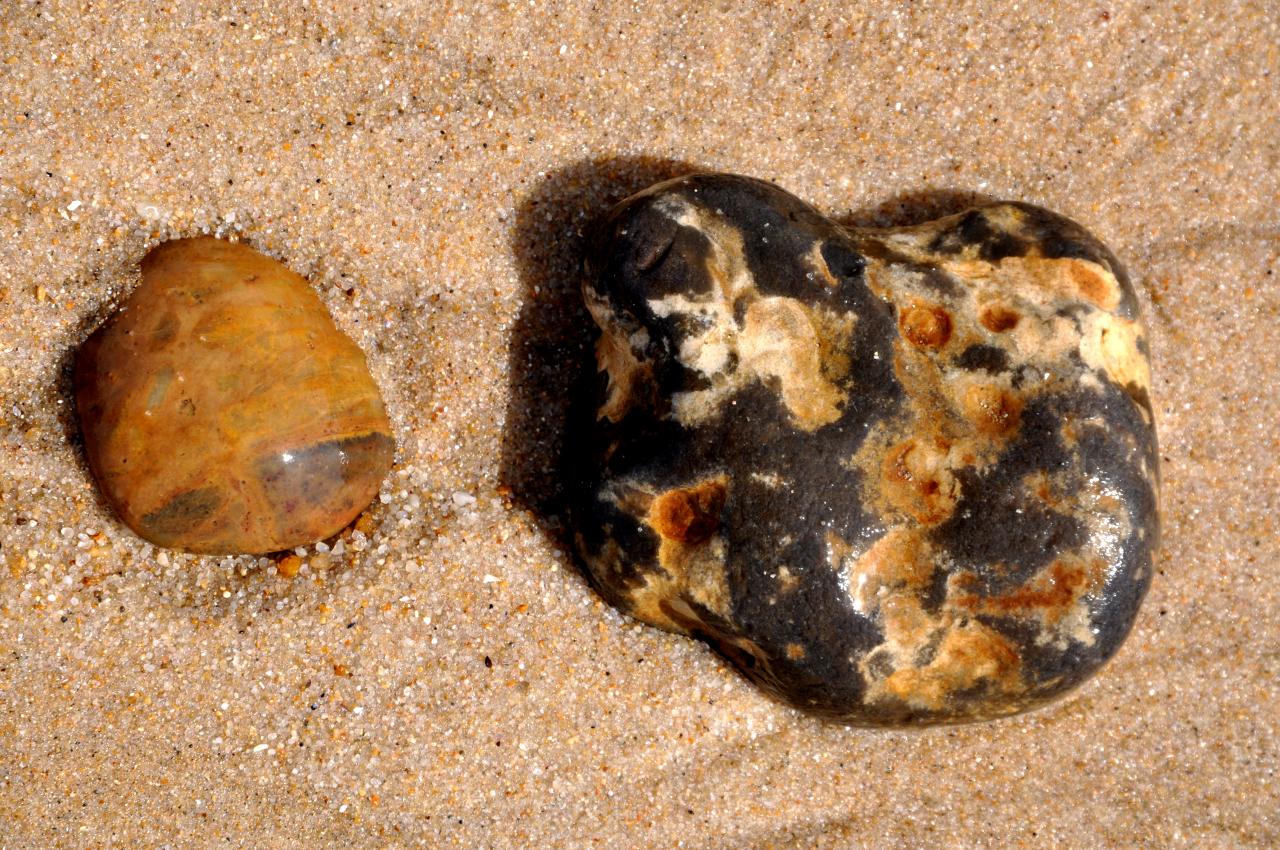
(222, 409)
(288, 566)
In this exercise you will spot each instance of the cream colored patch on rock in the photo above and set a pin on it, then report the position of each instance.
(726, 263)
(779, 341)
(1041, 280)
(899, 563)
(709, 358)
(705, 579)
(699, 578)
(842, 558)
(1044, 339)
(679, 304)
(969, 654)
(1004, 217)
(912, 241)
(818, 265)
(772, 480)
(616, 357)
(888, 584)
(1110, 344)
(647, 602)
(1101, 509)
(708, 351)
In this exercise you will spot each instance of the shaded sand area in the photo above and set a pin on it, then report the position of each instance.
(447, 679)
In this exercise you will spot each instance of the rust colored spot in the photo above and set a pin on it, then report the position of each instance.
(1050, 595)
(1093, 287)
(1070, 431)
(689, 515)
(999, 319)
(926, 325)
(795, 651)
(1042, 487)
(918, 481)
(993, 410)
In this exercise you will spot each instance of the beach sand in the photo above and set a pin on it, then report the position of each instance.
(448, 679)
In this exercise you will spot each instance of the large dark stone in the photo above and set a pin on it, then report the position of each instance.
(898, 477)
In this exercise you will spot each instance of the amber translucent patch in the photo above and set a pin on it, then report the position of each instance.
(999, 319)
(688, 515)
(992, 409)
(918, 481)
(926, 325)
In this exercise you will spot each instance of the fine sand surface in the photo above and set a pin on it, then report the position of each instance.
(448, 679)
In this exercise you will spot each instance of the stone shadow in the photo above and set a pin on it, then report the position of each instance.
(550, 361)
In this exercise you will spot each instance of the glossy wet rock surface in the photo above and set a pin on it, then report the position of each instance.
(897, 477)
(223, 411)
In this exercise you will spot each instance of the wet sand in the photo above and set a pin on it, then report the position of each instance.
(448, 679)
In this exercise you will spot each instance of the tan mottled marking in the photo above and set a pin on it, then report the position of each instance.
(888, 583)
(1110, 343)
(917, 480)
(970, 654)
(691, 557)
(615, 357)
(726, 262)
(779, 341)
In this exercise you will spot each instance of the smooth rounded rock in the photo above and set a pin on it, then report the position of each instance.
(897, 477)
(222, 409)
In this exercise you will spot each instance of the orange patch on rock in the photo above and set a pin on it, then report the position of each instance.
(993, 410)
(917, 480)
(900, 557)
(999, 319)
(1093, 286)
(688, 515)
(925, 325)
(971, 653)
(1049, 596)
